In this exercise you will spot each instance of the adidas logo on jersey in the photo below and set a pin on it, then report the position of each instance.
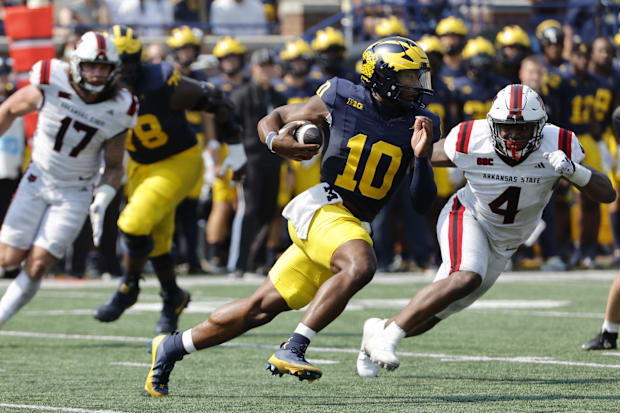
(64, 95)
(539, 165)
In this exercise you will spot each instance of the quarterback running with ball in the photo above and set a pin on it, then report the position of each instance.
(512, 161)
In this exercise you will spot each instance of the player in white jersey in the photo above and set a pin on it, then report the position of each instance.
(83, 118)
(512, 160)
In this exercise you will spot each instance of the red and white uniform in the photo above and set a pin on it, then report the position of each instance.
(484, 223)
(51, 204)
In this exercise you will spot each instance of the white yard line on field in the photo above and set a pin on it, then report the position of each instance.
(612, 353)
(129, 364)
(207, 306)
(440, 356)
(55, 409)
(381, 278)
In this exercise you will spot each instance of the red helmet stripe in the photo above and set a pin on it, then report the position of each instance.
(516, 99)
(101, 44)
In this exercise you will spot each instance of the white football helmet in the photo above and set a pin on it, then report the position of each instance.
(98, 48)
(517, 105)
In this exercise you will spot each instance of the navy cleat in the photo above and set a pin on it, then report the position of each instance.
(603, 341)
(124, 297)
(174, 305)
(162, 363)
(292, 360)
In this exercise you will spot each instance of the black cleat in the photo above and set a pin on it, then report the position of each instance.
(122, 299)
(173, 307)
(292, 361)
(603, 341)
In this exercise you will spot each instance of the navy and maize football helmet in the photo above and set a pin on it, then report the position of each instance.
(294, 51)
(182, 38)
(230, 48)
(328, 45)
(383, 65)
(129, 49)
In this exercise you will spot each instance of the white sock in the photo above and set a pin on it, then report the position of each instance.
(188, 343)
(610, 327)
(20, 291)
(305, 331)
(394, 333)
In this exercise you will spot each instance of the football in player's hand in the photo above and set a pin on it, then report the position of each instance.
(306, 132)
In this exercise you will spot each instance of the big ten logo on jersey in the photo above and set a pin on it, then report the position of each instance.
(149, 133)
(484, 161)
(355, 104)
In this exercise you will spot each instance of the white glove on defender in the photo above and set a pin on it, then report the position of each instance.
(575, 173)
(235, 160)
(104, 194)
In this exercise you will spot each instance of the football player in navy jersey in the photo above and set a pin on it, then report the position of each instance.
(452, 32)
(606, 100)
(185, 43)
(165, 164)
(476, 91)
(231, 55)
(374, 133)
(328, 46)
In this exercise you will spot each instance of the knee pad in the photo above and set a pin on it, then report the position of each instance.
(162, 262)
(137, 245)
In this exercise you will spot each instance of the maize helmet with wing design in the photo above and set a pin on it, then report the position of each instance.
(385, 61)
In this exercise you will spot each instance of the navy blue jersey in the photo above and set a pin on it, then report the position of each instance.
(161, 132)
(225, 86)
(365, 155)
(604, 99)
(194, 117)
(475, 96)
(439, 104)
(449, 75)
(296, 94)
(576, 98)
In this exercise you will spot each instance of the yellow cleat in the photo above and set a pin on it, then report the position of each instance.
(293, 361)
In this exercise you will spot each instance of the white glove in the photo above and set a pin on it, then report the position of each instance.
(607, 160)
(104, 194)
(576, 173)
(235, 160)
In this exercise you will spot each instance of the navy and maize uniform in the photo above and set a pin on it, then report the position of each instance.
(450, 76)
(439, 104)
(222, 84)
(365, 156)
(576, 98)
(222, 189)
(194, 118)
(474, 97)
(603, 111)
(165, 160)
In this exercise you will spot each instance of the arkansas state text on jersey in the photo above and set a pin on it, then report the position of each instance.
(70, 132)
(506, 200)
